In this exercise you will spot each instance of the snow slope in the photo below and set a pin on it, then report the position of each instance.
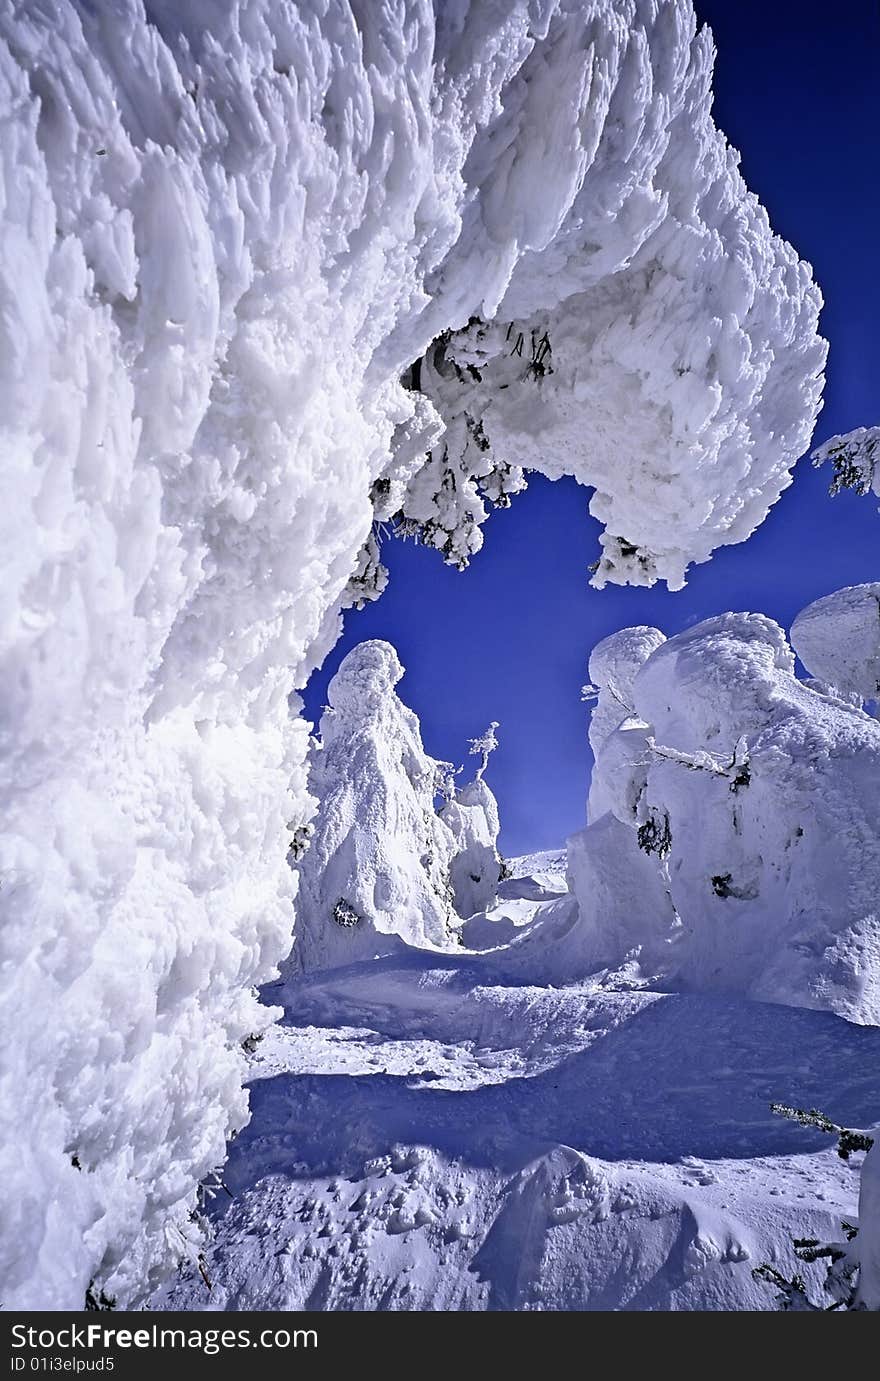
(227, 233)
(433, 1135)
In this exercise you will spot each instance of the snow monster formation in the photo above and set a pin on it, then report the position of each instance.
(471, 812)
(375, 875)
(733, 840)
(380, 868)
(472, 816)
(838, 639)
(270, 271)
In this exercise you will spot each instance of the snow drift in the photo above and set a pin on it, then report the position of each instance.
(227, 234)
(736, 847)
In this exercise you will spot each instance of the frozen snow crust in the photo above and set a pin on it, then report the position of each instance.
(227, 232)
(733, 841)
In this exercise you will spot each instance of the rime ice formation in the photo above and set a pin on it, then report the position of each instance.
(614, 892)
(754, 797)
(375, 876)
(838, 639)
(612, 669)
(854, 459)
(382, 869)
(472, 816)
(228, 233)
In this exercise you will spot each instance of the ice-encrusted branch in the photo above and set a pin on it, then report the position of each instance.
(854, 457)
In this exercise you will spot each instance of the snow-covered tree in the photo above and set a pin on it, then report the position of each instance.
(753, 798)
(270, 273)
(483, 747)
(376, 873)
(382, 868)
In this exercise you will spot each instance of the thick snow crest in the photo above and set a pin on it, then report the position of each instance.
(227, 234)
(612, 668)
(754, 798)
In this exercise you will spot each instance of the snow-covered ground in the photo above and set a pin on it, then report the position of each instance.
(434, 1131)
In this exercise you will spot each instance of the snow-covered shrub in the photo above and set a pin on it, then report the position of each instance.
(376, 874)
(482, 748)
(228, 235)
(754, 798)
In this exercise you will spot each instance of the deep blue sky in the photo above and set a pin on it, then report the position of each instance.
(796, 92)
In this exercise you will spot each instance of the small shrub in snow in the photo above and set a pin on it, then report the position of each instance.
(654, 835)
(96, 1300)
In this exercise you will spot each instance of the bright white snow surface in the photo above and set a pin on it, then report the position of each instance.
(438, 1133)
(227, 232)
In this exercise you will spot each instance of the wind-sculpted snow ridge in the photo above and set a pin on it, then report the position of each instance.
(228, 232)
(733, 842)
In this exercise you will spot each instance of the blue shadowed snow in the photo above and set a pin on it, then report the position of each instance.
(510, 638)
(426, 1135)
